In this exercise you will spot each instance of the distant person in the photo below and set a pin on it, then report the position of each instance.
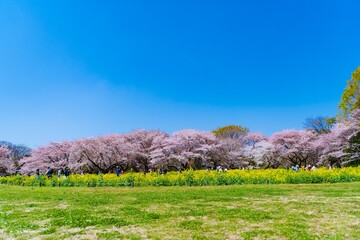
(60, 171)
(308, 167)
(37, 173)
(49, 172)
(295, 168)
(66, 171)
(118, 171)
(313, 168)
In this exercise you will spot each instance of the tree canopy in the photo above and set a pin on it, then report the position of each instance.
(350, 99)
(319, 124)
(230, 131)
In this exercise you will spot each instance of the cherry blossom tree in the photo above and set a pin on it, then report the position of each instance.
(235, 153)
(237, 150)
(339, 146)
(247, 144)
(251, 138)
(4, 152)
(259, 152)
(6, 163)
(53, 155)
(295, 147)
(141, 144)
(263, 154)
(187, 148)
(163, 156)
(100, 154)
(118, 149)
(353, 151)
(213, 151)
(16, 152)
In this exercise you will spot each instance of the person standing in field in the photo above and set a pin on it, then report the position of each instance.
(296, 168)
(49, 172)
(66, 172)
(60, 171)
(118, 170)
(37, 173)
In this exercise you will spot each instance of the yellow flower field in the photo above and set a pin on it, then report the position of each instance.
(193, 178)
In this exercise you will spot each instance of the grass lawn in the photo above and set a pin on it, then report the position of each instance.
(309, 211)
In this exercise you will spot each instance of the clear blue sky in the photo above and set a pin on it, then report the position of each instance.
(72, 69)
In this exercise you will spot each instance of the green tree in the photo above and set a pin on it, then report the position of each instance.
(230, 131)
(350, 99)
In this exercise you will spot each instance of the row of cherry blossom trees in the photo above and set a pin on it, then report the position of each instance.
(145, 150)
(325, 142)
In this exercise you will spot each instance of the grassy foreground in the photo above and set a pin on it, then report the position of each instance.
(309, 211)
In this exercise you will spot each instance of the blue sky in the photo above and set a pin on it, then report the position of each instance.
(73, 69)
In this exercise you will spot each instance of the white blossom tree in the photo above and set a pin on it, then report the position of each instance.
(187, 148)
(54, 155)
(333, 146)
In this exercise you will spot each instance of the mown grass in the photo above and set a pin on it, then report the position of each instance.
(313, 211)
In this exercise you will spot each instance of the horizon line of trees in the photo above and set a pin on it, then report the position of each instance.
(230, 147)
(325, 141)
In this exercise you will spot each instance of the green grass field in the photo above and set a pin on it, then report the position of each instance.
(313, 211)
